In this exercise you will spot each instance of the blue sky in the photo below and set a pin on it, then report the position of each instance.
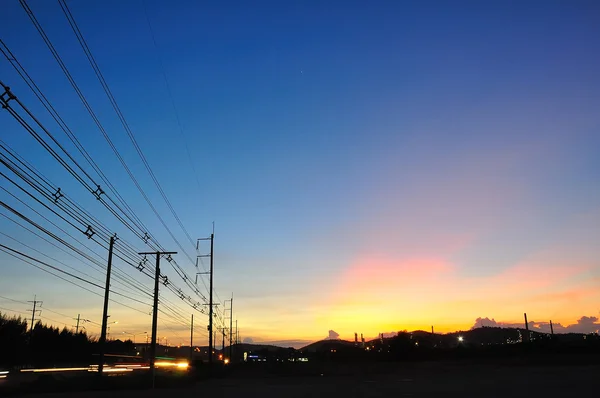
(328, 133)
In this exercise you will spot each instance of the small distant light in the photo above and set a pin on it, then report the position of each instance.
(460, 338)
(226, 361)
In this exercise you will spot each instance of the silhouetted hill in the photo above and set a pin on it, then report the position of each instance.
(327, 344)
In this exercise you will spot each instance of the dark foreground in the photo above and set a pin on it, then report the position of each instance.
(394, 380)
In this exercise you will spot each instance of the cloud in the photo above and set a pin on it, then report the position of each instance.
(333, 335)
(585, 324)
(248, 340)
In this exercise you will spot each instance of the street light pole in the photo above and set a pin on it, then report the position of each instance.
(135, 334)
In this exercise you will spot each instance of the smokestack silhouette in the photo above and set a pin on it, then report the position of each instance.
(355, 339)
(432, 329)
(362, 339)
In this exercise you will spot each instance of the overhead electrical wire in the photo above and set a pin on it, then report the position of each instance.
(168, 86)
(117, 109)
(113, 102)
(81, 253)
(32, 261)
(96, 190)
(8, 54)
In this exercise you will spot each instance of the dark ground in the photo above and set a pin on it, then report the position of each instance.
(458, 379)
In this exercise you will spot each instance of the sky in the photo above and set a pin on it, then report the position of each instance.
(369, 166)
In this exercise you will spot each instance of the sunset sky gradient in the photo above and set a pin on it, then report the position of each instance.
(370, 166)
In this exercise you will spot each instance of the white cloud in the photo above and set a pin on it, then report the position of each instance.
(585, 324)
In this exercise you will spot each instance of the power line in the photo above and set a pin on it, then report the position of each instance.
(61, 123)
(169, 91)
(40, 227)
(18, 312)
(14, 301)
(24, 175)
(14, 252)
(31, 261)
(117, 109)
(98, 193)
(109, 94)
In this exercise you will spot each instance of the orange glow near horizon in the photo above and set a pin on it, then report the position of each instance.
(378, 294)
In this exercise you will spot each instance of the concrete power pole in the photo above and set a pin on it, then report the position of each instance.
(77, 326)
(105, 308)
(35, 303)
(223, 346)
(155, 309)
(230, 327)
(192, 340)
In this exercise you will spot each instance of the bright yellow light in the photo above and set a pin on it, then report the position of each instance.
(180, 365)
(226, 361)
(53, 370)
(165, 364)
(115, 370)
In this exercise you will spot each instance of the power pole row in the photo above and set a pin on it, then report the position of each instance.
(104, 327)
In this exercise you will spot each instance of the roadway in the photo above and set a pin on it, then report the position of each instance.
(423, 380)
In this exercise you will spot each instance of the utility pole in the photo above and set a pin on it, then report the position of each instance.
(223, 346)
(77, 327)
(551, 328)
(105, 309)
(210, 301)
(211, 342)
(35, 302)
(192, 341)
(230, 327)
(155, 309)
